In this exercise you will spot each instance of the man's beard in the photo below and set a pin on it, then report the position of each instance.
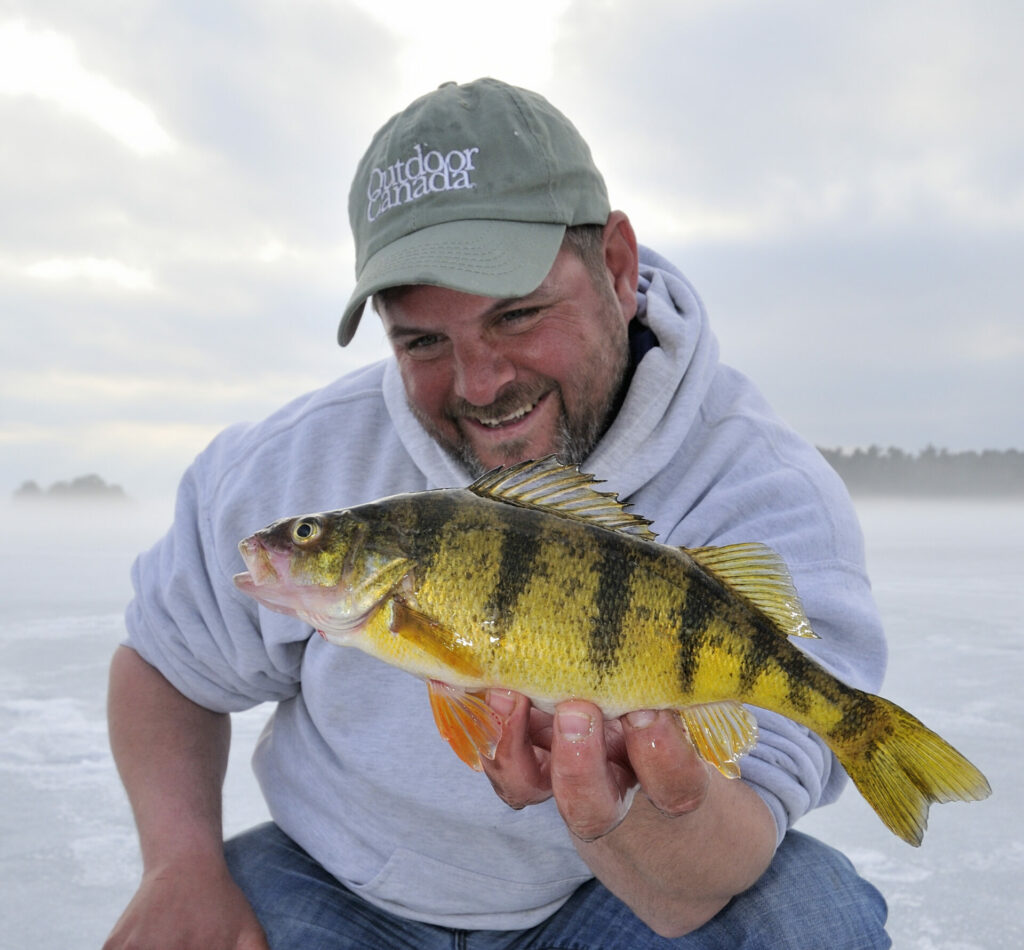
(575, 438)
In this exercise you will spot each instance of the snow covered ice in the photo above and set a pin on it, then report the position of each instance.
(948, 576)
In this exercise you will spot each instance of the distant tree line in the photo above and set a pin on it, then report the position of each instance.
(931, 471)
(870, 471)
(83, 488)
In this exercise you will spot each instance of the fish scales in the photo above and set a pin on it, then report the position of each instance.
(564, 625)
(531, 580)
(524, 623)
(591, 616)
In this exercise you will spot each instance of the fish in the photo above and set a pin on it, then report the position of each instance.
(534, 580)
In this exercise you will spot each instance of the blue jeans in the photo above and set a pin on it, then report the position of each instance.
(810, 897)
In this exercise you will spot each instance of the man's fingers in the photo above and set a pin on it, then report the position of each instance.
(519, 769)
(671, 773)
(593, 794)
(593, 768)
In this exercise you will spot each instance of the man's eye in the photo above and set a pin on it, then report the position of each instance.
(424, 347)
(522, 314)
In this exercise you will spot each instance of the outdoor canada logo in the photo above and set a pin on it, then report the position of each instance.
(422, 173)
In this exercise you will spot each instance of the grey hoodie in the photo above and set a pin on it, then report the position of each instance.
(350, 763)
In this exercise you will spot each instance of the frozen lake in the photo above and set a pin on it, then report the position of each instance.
(949, 578)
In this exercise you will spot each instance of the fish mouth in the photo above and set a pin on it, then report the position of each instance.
(257, 559)
(262, 581)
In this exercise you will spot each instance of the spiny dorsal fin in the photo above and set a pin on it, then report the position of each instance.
(563, 490)
(759, 576)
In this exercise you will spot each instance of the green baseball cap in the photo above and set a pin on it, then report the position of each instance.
(471, 187)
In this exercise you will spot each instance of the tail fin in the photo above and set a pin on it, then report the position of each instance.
(900, 766)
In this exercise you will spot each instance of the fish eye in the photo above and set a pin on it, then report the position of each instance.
(306, 530)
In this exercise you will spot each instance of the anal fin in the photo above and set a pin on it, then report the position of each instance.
(721, 733)
(465, 722)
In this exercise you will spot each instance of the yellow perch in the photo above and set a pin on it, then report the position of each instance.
(532, 580)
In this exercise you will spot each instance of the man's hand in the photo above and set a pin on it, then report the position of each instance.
(658, 826)
(593, 767)
(188, 909)
(172, 755)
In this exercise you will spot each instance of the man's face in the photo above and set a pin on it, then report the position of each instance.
(499, 381)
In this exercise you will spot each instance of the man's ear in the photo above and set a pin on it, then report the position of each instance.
(622, 258)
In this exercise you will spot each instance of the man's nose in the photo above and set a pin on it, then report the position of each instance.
(481, 371)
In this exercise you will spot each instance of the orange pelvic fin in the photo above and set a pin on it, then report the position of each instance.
(465, 722)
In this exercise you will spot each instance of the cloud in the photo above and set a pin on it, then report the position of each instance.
(99, 270)
(517, 46)
(790, 116)
(843, 184)
(39, 62)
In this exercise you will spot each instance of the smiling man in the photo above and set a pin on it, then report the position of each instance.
(495, 381)
(525, 321)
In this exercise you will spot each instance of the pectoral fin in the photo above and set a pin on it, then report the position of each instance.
(465, 722)
(721, 733)
(432, 638)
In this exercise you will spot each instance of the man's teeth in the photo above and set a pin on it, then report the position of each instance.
(505, 420)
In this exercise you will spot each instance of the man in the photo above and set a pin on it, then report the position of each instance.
(525, 321)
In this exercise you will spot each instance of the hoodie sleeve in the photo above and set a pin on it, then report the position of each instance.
(187, 618)
(748, 477)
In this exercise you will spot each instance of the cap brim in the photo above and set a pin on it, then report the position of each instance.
(483, 257)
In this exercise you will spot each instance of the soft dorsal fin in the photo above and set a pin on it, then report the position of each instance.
(759, 576)
(563, 490)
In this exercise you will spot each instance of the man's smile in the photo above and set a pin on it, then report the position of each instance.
(500, 422)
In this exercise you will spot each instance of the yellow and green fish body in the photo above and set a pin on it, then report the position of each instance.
(533, 581)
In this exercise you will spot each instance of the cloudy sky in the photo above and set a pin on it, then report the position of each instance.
(843, 183)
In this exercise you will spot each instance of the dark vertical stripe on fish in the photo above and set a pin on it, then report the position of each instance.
(518, 558)
(694, 617)
(768, 649)
(764, 651)
(430, 522)
(611, 602)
